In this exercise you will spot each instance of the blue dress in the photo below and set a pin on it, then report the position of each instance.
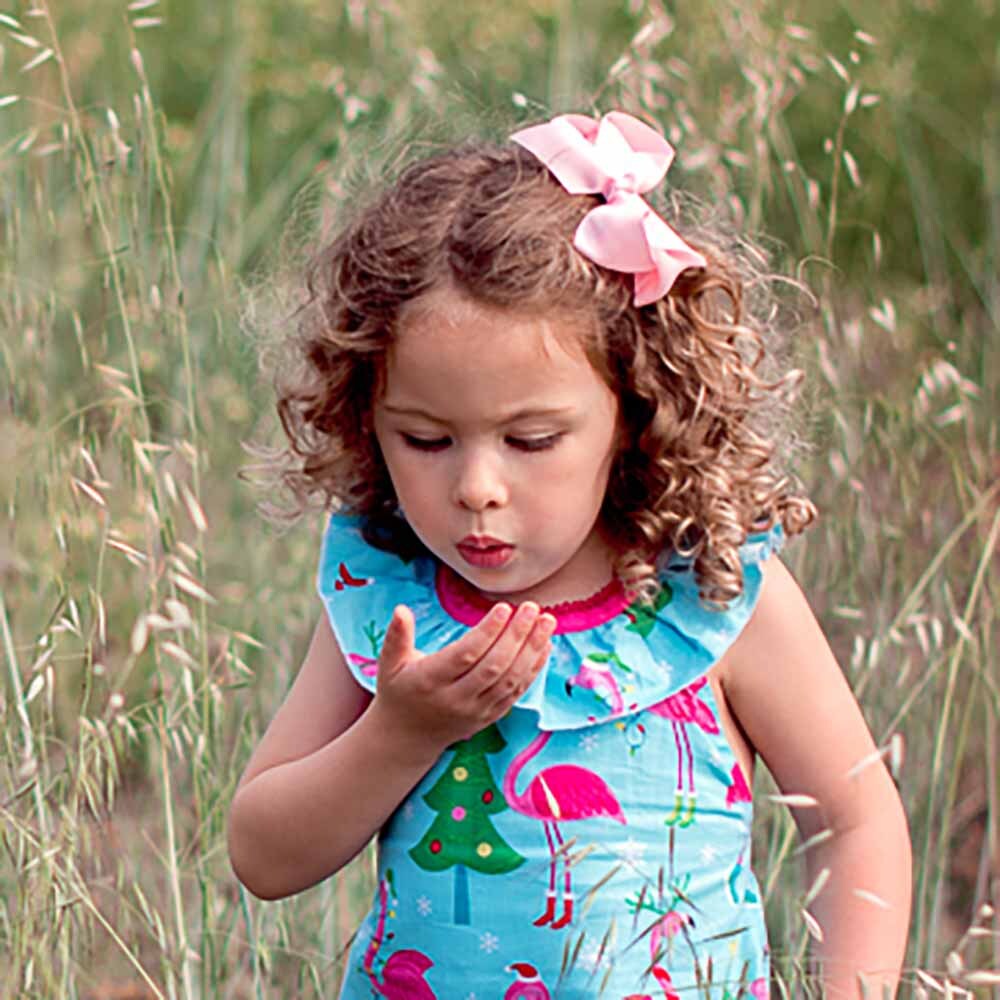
(595, 841)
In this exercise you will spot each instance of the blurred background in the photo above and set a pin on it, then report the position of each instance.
(163, 169)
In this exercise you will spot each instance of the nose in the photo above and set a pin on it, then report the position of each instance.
(479, 481)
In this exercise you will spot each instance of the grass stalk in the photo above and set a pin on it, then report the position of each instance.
(172, 856)
(29, 759)
(100, 758)
(928, 872)
(122, 946)
(100, 212)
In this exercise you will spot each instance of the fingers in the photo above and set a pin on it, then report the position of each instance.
(397, 646)
(505, 691)
(469, 683)
(467, 652)
(510, 665)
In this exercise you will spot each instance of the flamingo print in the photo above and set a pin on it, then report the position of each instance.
(682, 709)
(528, 986)
(403, 972)
(367, 665)
(595, 675)
(665, 983)
(555, 795)
(662, 977)
(739, 790)
(668, 924)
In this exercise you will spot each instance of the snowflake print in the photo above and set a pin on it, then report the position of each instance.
(408, 811)
(470, 996)
(564, 660)
(632, 850)
(424, 906)
(588, 741)
(489, 943)
(709, 853)
(594, 958)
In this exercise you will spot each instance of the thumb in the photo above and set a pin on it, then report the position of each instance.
(397, 647)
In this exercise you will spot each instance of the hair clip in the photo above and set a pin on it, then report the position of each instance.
(620, 158)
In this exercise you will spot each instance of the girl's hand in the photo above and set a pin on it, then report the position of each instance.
(432, 701)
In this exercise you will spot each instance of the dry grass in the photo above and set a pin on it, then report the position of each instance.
(150, 622)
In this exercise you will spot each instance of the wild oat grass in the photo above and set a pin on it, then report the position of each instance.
(152, 158)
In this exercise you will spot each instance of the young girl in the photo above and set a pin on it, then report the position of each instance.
(557, 633)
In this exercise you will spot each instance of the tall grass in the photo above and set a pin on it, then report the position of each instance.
(150, 622)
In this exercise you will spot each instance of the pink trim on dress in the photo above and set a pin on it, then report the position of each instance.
(468, 606)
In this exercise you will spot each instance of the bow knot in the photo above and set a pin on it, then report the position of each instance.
(617, 186)
(619, 158)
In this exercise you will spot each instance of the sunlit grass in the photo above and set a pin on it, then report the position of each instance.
(150, 621)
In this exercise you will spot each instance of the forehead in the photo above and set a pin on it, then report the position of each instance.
(460, 359)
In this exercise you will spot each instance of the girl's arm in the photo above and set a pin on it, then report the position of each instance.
(785, 688)
(335, 762)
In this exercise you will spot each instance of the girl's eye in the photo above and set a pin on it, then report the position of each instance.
(522, 444)
(426, 444)
(535, 444)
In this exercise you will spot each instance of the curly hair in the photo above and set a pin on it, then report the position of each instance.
(699, 468)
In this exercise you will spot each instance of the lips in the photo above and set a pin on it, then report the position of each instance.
(485, 551)
(481, 542)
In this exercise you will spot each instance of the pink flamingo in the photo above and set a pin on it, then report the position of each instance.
(662, 977)
(403, 972)
(596, 676)
(528, 986)
(671, 924)
(739, 790)
(368, 666)
(682, 709)
(558, 794)
(665, 983)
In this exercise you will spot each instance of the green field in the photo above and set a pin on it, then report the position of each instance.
(164, 167)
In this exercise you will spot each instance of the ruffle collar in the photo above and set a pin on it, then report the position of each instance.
(609, 658)
(468, 606)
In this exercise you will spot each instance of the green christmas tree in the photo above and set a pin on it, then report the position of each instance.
(462, 835)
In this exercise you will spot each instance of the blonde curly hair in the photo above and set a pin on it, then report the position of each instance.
(701, 464)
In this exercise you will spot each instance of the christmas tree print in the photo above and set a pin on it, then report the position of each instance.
(462, 835)
(368, 665)
(642, 617)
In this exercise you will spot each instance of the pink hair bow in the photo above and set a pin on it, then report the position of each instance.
(620, 158)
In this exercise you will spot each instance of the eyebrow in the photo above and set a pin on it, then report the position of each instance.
(529, 411)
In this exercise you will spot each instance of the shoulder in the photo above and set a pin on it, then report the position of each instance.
(781, 636)
(780, 610)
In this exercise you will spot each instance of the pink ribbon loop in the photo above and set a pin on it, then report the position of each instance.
(620, 158)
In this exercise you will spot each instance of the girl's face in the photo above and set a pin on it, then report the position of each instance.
(499, 437)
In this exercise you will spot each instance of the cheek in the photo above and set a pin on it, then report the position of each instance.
(579, 476)
(395, 462)
(400, 468)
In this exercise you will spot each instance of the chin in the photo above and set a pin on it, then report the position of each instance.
(499, 584)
